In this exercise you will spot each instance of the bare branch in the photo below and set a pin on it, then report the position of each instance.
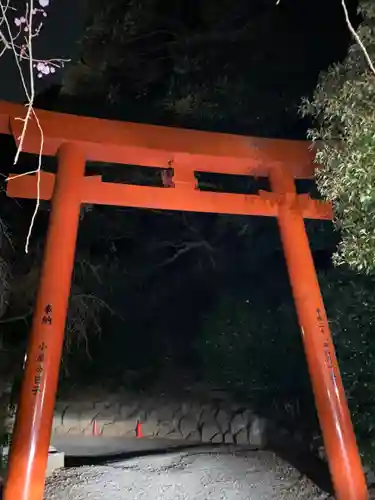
(183, 249)
(24, 52)
(356, 37)
(22, 317)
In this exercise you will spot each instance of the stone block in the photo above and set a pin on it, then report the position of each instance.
(223, 420)
(242, 437)
(237, 424)
(258, 433)
(56, 459)
(188, 426)
(208, 430)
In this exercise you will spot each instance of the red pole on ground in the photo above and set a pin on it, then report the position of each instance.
(339, 438)
(138, 430)
(95, 430)
(32, 434)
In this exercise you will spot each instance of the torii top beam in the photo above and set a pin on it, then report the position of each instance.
(157, 146)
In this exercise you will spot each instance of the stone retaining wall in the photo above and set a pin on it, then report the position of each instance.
(162, 417)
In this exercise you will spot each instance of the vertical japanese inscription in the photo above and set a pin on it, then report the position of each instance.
(47, 315)
(39, 368)
(39, 371)
(326, 344)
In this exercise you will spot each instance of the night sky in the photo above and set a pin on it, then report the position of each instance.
(58, 39)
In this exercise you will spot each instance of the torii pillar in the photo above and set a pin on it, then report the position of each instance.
(333, 412)
(32, 433)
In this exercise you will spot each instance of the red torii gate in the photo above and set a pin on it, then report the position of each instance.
(75, 140)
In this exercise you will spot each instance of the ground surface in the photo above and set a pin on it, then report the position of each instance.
(196, 475)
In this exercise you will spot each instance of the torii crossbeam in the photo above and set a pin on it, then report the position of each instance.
(75, 140)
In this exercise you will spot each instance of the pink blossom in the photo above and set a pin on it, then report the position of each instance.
(42, 68)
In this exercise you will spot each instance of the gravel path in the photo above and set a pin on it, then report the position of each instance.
(207, 474)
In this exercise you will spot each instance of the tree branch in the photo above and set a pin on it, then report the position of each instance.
(184, 248)
(356, 37)
(13, 319)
